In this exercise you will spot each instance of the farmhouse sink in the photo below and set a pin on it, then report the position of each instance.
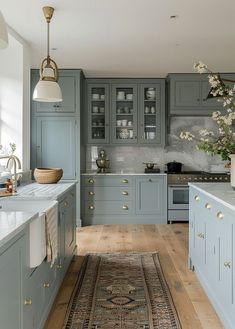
(37, 236)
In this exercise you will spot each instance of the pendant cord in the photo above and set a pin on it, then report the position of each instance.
(48, 35)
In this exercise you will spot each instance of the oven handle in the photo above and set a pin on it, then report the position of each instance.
(178, 186)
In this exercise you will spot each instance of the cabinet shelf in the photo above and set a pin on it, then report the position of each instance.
(102, 114)
(124, 100)
(98, 126)
(129, 114)
(150, 114)
(125, 127)
(150, 100)
(98, 100)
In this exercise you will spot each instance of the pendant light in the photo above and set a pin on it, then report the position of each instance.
(47, 88)
(3, 32)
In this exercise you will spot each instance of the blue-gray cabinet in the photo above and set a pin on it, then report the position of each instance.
(56, 144)
(187, 95)
(151, 197)
(124, 199)
(27, 294)
(133, 111)
(212, 251)
(69, 83)
(98, 128)
(12, 263)
(55, 127)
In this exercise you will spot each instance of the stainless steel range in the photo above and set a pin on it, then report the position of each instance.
(178, 191)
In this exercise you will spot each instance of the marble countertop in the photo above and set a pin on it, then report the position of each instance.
(221, 192)
(121, 174)
(11, 223)
(43, 191)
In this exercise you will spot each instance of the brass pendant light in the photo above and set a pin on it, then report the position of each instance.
(48, 89)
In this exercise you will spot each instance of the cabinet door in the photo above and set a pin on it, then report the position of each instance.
(11, 302)
(187, 93)
(124, 113)
(56, 144)
(98, 113)
(211, 104)
(69, 87)
(150, 114)
(151, 196)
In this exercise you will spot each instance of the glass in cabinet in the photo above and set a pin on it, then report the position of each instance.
(98, 113)
(150, 114)
(124, 113)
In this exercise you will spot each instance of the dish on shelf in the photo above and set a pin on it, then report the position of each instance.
(95, 96)
(124, 133)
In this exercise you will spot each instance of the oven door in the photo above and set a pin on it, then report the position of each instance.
(178, 197)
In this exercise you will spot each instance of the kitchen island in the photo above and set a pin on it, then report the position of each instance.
(27, 293)
(212, 244)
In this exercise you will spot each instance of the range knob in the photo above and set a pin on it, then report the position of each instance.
(216, 178)
(210, 178)
(200, 178)
(195, 178)
(189, 179)
(205, 178)
(221, 178)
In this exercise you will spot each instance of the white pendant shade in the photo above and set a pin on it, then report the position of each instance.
(47, 91)
(3, 32)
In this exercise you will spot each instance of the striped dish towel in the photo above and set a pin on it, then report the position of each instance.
(51, 215)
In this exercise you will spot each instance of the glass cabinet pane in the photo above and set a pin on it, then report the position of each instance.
(150, 114)
(98, 114)
(124, 114)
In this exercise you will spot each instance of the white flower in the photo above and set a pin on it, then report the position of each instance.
(186, 135)
(200, 67)
(215, 115)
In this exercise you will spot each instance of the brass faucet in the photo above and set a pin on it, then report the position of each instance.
(14, 159)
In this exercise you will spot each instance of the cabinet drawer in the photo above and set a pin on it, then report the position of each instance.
(108, 193)
(108, 208)
(107, 181)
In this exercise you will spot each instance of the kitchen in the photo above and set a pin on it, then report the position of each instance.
(135, 112)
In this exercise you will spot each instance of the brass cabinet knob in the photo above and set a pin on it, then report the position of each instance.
(197, 198)
(66, 204)
(125, 207)
(125, 193)
(46, 284)
(91, 181)
(220, 215)
(91, 207)
(208, 206)
(201, 235)
(125, 181)
(91, 193)
(227, 264)
(28, 301)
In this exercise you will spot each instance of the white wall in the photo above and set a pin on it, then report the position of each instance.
(14, 97)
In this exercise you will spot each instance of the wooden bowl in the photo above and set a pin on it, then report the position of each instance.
(48, 175)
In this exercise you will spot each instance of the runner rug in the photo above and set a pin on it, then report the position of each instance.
(121, 291)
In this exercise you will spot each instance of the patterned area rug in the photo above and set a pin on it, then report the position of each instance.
(121, 291)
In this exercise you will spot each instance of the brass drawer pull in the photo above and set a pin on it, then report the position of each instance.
(207, 206)
(91, 193)
(125, 193)
(220, 215)
(28, 301)
(227, 264)
(197, 198)
(46, 284)
(201, 235)
(125, 207)
(91, 207)
(91, 181)
(125, 181)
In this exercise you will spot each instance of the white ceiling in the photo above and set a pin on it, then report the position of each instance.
(131, 38)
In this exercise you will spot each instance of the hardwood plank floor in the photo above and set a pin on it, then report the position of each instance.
(171, 241)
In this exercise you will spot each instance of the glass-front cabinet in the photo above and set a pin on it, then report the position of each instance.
(150, 114)
(98, 113)
(124, 113)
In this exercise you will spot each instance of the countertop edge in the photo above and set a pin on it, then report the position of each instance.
(123, 174)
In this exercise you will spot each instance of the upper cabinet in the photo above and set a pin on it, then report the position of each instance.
(125, 111)
(187, 95)
(69, 87)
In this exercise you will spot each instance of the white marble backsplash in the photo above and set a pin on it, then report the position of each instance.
(131, 158)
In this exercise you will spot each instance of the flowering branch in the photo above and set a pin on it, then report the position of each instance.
(224, 142)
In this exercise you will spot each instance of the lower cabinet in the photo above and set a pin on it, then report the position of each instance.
(27, 294)
(12, 263)
(129, 199)
(212, 252)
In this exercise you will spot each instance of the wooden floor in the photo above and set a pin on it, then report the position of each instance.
(194, 309)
